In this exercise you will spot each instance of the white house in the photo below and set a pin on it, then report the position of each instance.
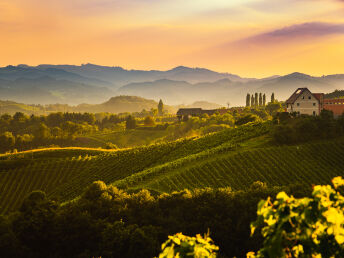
(303, 101)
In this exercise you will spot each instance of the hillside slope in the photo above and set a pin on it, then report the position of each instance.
(276, 166)
(64, 173)
(234, 157)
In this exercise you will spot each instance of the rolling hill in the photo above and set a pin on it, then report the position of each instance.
(11, 107)
(118, 104)
(121, 104)
(228, 158)
(46, 89)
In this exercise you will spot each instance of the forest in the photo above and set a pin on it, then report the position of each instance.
(109, 222)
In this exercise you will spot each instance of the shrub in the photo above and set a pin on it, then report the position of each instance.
(149, 121)
(246, 119)
(179, 245)
(110, 145)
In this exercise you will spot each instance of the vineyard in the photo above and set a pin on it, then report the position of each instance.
(64, 173)
(304, 165)
(234, 157)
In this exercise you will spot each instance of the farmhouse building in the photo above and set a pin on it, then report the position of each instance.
(335, 105)
(303, 101)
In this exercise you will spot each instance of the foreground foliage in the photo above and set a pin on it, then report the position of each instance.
(109, 222)
(308, 227)
(179, 245)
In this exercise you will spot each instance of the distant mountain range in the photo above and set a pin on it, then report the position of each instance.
(93, 84)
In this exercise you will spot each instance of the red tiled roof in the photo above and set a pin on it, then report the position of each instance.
(319, 96)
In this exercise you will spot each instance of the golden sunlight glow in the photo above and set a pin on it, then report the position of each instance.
(247, 37)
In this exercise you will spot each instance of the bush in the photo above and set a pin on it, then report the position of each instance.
(181, 246)
(246, 119)
(110, 145)
(149, 121)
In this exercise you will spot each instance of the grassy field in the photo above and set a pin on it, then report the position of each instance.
(234, 157)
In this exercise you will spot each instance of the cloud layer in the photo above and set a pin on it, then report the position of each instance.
(304, 31)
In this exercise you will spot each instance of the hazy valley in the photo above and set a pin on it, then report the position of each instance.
(92, 84)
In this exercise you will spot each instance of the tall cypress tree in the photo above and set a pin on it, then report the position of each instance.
(272, 97)
(260, 100)
(130, 122)
(256, 99)
(264, 100)
(160, 108)
(248, 99)
(252, 100)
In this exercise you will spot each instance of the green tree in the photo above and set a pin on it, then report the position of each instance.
(260, 100)
(23, 141)
(56, 131)
(70, 128)
(264, 100)
(252, 100)
(256, 99)
(273, 107)
(130, 123)
(20, 117)
(42, 131)
(7, 141)
(248, 98)
(149, 121)
(160, 108)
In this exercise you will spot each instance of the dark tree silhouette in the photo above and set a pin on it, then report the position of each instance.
(264, 100)
(272, 97)
(248, 99)
(160, 108)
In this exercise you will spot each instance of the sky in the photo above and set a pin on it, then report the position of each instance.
(252, 38)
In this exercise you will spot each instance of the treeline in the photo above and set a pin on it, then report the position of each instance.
(292, 128)
(23, 132)
(258, 100)
(337, 94)
(108, 222)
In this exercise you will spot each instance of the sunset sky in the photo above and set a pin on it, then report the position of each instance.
(252, 38)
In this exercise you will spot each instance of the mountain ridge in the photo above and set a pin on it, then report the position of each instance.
(91, 83)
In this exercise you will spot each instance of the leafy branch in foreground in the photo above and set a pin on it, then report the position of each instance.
(307, 227)
(179, 245)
